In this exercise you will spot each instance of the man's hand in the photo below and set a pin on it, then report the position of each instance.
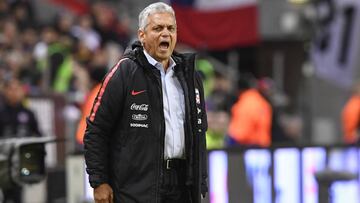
(103, 194)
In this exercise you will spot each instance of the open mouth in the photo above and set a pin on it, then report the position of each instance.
(164, 45)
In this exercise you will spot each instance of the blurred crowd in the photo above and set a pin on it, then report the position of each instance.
(246, 111)
(58, 57)
(63, 57)
(67, 55)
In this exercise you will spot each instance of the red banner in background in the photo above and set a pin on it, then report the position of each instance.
(77, 6)
(215, 27)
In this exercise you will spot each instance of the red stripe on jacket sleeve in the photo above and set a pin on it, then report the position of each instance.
(102, 90)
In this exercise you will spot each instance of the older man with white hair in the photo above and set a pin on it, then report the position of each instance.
(145, 136)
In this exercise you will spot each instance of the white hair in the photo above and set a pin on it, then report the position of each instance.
(158, 7)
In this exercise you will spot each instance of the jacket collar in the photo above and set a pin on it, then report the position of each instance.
(157, 64)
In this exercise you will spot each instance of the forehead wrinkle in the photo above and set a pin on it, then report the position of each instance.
(165, 25)
(159, 17)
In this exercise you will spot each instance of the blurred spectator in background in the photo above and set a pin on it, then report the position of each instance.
(251, 116)
(96, 75)
(15, 121)
(50, 54)
(84, 32)
(218, 105)
(206, 70)
(284, 128)
(63, 24)
(23, 14)
(222, 97)
(351, 117)
(59, 61)
(108, 24)
(215, 135)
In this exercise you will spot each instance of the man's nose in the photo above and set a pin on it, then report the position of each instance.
(165, 32)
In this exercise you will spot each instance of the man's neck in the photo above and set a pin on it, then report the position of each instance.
(165, 64)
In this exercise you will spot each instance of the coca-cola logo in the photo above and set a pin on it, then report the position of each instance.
(139, 107)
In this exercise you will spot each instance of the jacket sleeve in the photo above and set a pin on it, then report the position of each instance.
(105, 112)
(202, 138)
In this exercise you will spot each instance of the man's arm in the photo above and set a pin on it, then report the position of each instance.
(104, 115)
(202, 134)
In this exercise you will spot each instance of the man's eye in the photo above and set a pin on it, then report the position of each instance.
(157, 29)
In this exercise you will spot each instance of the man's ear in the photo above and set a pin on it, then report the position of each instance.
(141, 36)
